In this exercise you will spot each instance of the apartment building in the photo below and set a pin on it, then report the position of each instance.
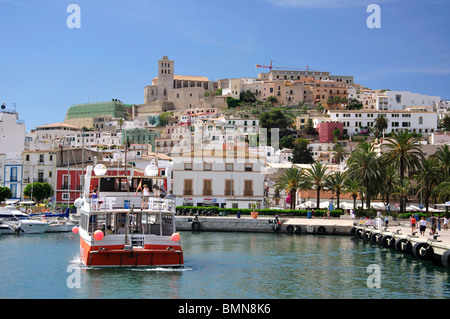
(220, 177)
(12, 144)
(400, 100)
(417, 120)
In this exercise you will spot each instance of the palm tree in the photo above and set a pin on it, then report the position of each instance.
(352, 187)
(335, 182)
(428, 179)
(402, 190)
(363, 164)
(403, 152)
(315, 178)
(291, 181)
(442, 155)
(390, 179)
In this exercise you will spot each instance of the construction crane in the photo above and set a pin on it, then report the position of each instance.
(285, 67)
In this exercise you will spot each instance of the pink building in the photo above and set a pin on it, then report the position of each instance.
(326, 130)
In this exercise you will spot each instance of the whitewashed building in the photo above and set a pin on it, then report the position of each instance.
(400, 100)
(12, 144)
(223, 178)
(417, 120)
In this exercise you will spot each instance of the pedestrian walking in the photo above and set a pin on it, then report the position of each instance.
(412, 220)
(423, 226)
(386, 221)
(439, 221)
(445, 223)
(433, 224)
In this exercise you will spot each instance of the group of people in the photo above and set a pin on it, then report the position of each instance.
(435, 224)
(145, 194)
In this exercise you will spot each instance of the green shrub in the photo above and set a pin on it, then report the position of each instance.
(264, 212)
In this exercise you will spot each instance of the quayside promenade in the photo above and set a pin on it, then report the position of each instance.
(398, 235)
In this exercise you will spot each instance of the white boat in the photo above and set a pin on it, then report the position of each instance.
(14, 221)
(60, 225)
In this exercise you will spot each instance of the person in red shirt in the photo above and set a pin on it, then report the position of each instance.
(413, 223)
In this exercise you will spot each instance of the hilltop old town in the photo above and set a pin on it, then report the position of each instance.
(235, 143)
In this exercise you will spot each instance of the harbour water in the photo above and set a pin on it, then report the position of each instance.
(224, 266)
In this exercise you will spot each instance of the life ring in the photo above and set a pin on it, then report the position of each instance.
(403, 245)
(29, 210)
(276, 227)
(195, 226)
(290, 228)
(387, 241)
(423, 251)
(445, 258)
(321, 230)
(375, 238)
(298, 229)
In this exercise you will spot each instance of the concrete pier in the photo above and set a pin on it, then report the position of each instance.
(266, 224)
(397, 236)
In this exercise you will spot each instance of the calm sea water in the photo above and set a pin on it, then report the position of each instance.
(223, 265)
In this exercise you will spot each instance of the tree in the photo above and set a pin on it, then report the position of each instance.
(5, 193)
(336, 183)
(247, 96)
(272, 100)
(335, 101)
(363, 164)
(287, 141)
(291, 181)
(381, 124)
(390, 179)
(232, 102)
(165, 118)
(352, 187)
(427, 179)
(301, 153)
(338, 153)
(40, 191)
(354, 105)
(315, 178)
(445, 123)
(403, 152)
(275, 119)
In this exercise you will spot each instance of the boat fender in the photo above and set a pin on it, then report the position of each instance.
(195, 226)
(445, 258)
(276, 227)
(358, 233)
(290, 228)
(403, 245)
(366, 235)
(321, 230)
(375, 238)
(298, 229)
(423, 251)
(387, 241)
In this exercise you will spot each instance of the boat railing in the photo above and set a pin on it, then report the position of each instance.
(120, 202)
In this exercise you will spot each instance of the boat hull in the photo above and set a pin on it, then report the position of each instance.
(119, 256)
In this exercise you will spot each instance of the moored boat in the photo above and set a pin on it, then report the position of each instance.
(118, 236)
(16, 222)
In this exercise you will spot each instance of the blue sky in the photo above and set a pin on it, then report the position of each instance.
(45, 67)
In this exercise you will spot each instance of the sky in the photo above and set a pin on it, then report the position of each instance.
(45, 66)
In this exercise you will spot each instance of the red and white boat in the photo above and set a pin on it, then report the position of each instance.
(116, 232)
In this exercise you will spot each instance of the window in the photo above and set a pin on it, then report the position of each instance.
(398, 98)
(13, 177)
(207, 166)
(207, 187)
(188, 166)
(248, 167)
(229, 167)
(406, 124)
(187, 187)
(248, 187)
(41, 158)
(420, 120)
(229, 187)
